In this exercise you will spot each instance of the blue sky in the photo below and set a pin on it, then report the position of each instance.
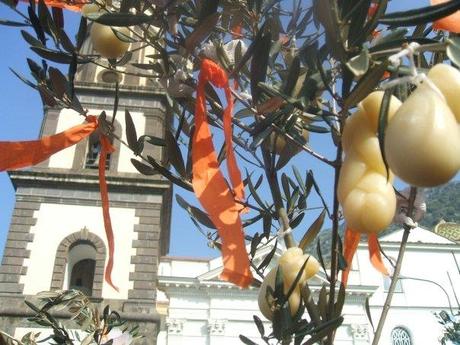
(21, 113)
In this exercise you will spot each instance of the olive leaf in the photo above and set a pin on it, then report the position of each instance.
(131, 134)
(143, 168)
(366, 84)
(174, 154)
(312, 231)
(195, 212)
(359, 64)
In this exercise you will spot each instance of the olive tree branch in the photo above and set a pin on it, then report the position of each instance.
(397, 269)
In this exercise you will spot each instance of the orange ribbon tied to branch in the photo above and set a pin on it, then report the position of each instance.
(23, 154)
(351, 242)
(209, 183)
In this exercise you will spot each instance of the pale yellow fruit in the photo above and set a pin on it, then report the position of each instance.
(89, 8)
(447, 79)
(366, 195)
(370, 206)
(422, 142)
(290, 262)
(106, 43)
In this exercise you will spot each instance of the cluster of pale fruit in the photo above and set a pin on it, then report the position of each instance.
(103, 38)
(422, 147)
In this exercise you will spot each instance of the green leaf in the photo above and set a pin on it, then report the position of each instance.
(266, 261)
(366, 84)
(298, 177)
(123, 37)
(285, 184)
(267, 225)
(297, 220)
(253, 191)
(55, 55)
(259, 324)
(357, 20)
(382, 125)
(23, 79)
(259, 64)
(195, 212)
(359, 64)
(312, 231)
(320, 255)
(144, 169)
(59, 82)
(174, 154)
(421, 15)
(31, 40)
(246, 340)
(293, 76)
(65, 41)
(202, 31)
(82, 29)
(316, 129)
(36, 25)
(120, 19)
(171, 177)
(323, 330)
(392, 35)
(12, 23)
(323, 302)
(131, 134)
(338, 306)
(453, 49)
(295, 283)
(368, 313)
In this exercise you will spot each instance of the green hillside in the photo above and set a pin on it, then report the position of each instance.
(442, 203)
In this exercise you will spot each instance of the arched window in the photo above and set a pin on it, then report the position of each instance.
(400, 336)
(79, 263)
(81, 266)
(93, 152)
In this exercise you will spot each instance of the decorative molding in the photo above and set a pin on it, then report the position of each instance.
(359, 332)
(217, 327)
(174, 326)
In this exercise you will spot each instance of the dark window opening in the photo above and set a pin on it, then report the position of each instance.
(82, 276)
(93, 153)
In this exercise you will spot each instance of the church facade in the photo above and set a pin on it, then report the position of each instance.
(57, 239)
(201, 309)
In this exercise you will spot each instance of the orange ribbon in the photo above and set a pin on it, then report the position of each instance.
(209, 183)
(351, 241)
(450, 23)
(69, 5)
(22, 154)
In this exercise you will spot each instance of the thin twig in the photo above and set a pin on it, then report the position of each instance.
(395, 276)
(11, 337)
(279, 131)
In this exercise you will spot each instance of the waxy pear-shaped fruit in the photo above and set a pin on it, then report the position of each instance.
(104, 40)
(422, 141)
(290, 262)
(106, 43)
(366, 195)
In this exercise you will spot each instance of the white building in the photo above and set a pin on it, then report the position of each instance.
(203, 310)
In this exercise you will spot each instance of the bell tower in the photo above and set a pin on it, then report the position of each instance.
(56, 239)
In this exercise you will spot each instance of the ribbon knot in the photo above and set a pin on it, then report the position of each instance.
(213, 73)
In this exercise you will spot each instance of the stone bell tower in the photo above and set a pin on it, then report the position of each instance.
(56, 238)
